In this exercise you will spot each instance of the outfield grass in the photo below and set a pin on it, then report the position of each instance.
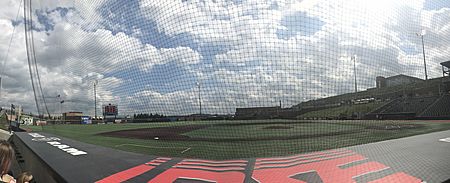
(255, 131)
(362, 132)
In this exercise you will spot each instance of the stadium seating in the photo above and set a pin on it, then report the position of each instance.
(411, 105)
(440, 108)
(386, 106)
(412, 108)
(2, 112)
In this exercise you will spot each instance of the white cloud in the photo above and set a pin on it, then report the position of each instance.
(70, 58)
(254, 67)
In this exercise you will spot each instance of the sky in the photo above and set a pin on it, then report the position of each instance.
(148, 56)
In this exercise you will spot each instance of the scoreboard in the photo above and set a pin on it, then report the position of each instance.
(110, 110)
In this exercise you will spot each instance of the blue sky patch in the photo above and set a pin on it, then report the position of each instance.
(123, 16)
(299, 23)
(436, 4)
(43, 17)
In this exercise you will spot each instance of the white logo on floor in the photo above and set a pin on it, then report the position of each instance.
(53, 142)
(40, 138)
(445, 139)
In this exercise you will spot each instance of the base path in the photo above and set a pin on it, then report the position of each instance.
(412, 159)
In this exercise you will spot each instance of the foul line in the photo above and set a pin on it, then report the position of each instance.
(137, 145)
(185, 150)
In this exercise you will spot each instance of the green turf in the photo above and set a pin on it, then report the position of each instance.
(361, 134)
(260, 130)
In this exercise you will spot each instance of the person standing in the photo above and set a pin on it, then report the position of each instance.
(25, 177)
(6, 158)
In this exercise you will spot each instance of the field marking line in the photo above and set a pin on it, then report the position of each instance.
(137, 145)
(185, 150)
(445, 139)
(373, 171)
(344, 164)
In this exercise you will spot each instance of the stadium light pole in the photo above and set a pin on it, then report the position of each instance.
(421, 34)
(95, 98)
(58, 98)
(354, 72)
(199, 98)
(60, 105)
(0, 87)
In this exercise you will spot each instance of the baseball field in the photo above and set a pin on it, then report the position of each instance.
(235, 139)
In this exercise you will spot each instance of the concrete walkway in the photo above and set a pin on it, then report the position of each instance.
(4, 135)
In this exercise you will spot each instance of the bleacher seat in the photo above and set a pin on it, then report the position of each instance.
(440, 108)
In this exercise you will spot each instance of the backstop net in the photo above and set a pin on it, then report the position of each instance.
(238, 78)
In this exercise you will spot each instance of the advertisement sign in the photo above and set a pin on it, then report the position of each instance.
(26, 120)
(86, 120)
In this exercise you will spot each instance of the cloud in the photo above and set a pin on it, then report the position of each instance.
(71, 57)
(147, 56)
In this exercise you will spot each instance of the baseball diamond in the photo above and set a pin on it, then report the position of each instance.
(225, 91)
(204, 139)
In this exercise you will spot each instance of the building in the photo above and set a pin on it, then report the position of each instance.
(400, 79)
(445, 69)
(72, 117)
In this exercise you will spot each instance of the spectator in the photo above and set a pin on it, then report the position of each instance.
(25, 177)
(6, 158)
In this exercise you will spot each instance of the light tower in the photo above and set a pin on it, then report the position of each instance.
(354, 72)
(421, 34)
(95, 99)
(199, 97)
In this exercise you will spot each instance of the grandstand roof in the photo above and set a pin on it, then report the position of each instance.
(446, 64)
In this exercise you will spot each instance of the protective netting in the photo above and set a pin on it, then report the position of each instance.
(242, 76)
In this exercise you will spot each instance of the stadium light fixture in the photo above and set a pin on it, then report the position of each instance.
(421, 34)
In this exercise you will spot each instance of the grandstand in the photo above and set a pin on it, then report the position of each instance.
(411, 105)
(3, 119)
(398, 97)
(2, 112)
(356, 111)
(403, 108)
(395, 97)
(440, 108)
